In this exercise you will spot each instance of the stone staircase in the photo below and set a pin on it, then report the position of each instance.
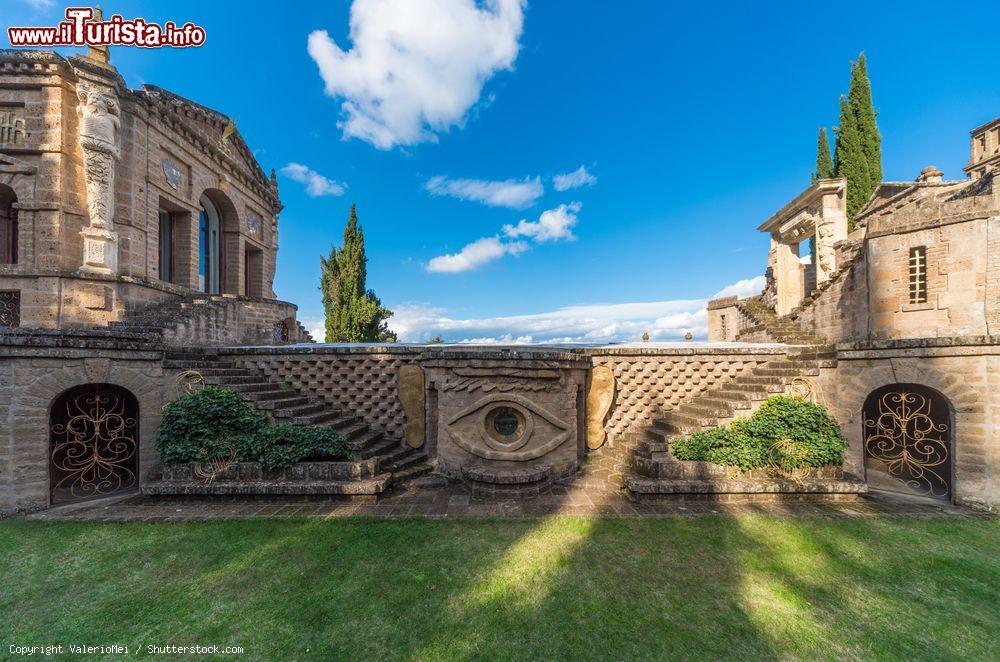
(285, 404)
(200, 318)
(644, 458)
(778, 329)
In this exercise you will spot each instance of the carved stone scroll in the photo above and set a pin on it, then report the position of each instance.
(600, 395)
(410, 389)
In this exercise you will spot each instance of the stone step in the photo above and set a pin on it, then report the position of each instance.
(413, 471)
(327, 417)
(699, 409)
(253, 387)
(266, 399)
(746, 395)
(771, 384)
(688, 424)
(784, 372)
(717, 401)
(302, 407)
(370, 443)
(411, 458)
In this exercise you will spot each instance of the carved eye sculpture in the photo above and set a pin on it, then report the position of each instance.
(507, 427)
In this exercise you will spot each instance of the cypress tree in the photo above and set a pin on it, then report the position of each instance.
(850, 162)
(353, 313)
(824, 164)
(859, 98)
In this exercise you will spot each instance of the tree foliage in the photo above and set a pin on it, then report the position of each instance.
(824, 162)
(353, 313)
(858, 145)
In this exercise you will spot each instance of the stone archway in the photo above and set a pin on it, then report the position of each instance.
(908, 440)
(93, 443)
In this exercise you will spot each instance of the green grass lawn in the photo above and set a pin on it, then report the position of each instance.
(561, 588)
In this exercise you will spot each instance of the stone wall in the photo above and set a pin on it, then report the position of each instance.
(840, 312)
(956, 286)
(651, 381)
(37, 366)
(966, 371)
(357, 379)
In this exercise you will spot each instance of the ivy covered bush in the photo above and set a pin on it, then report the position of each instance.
(206, 423)
(786, 431)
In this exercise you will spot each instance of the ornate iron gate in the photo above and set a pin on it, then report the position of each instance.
(93, 442)
(908, 447)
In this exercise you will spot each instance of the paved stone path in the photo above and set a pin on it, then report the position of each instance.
(454, 501)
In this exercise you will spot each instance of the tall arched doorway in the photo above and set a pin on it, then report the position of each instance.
(93, 443)
(908, 441)
(8, 225)
(209, 247)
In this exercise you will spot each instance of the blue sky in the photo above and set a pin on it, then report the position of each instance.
(692, 124)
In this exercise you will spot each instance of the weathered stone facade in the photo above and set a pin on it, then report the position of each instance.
(910, 299)
(137, 245)
(121, 199)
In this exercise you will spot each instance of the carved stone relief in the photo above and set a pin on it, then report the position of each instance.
(410, 389)
(100, 128)
(172, 173)
(600, 395)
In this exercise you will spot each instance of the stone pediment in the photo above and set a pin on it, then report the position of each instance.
(213, 131)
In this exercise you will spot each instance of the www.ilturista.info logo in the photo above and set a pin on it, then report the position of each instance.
(83, 28)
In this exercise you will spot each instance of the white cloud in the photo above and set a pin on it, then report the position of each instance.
(316, 184)
(40, 4)
(475, 255)
(747, 287)
(509, 193)
(625, 322)
(316, 326)
(664, 321)
(416, 66)
(552, 225)
(575, 179)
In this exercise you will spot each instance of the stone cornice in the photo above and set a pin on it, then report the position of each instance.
(812, 194)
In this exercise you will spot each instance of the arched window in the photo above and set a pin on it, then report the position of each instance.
(8, 226)
(908, 440)
(209, 231)
(93, 442)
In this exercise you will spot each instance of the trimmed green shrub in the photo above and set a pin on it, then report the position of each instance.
(201, 424)
(283, 445)
(786, 431)
(205, 423)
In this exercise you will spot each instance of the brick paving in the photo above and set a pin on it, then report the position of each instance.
(592, 493)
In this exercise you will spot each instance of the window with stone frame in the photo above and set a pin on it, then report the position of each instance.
(918, 274)
(8, 226)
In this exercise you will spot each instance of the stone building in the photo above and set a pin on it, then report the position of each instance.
(911, 303)
(115, 200)
(137, 254)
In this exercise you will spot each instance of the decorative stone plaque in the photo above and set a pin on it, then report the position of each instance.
(253, 224)
(172, 173)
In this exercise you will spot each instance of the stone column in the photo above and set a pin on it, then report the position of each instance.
(831, 227)
(787, 275)
(100, 126)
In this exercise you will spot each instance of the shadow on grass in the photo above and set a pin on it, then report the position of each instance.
(554, 588)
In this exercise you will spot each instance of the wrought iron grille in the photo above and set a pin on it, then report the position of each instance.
(908, 439)
(281, 331)
(10, 308)
(918, 274)
(94, 442)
